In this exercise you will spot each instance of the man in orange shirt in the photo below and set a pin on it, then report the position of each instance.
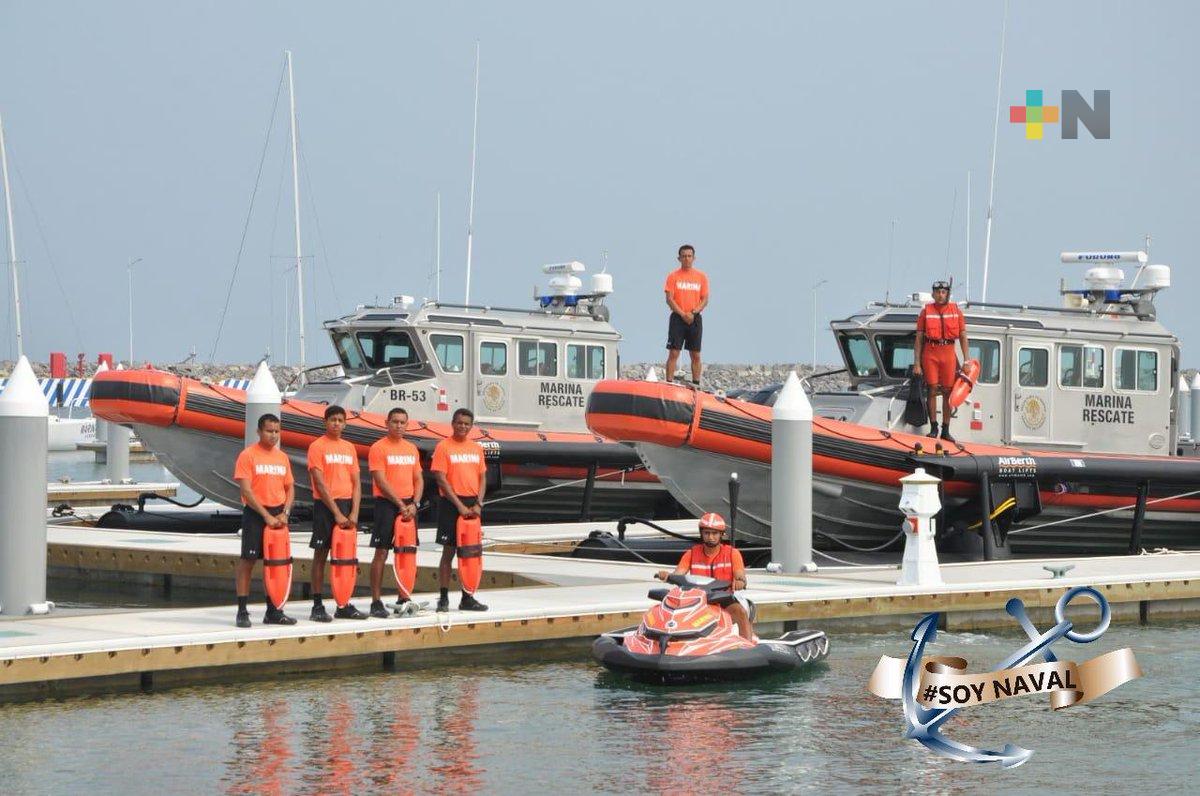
(461, 473)
(337, 493)
(396, 483)
(265, 476)
(940, 326)
(687, 296)
(713, 559)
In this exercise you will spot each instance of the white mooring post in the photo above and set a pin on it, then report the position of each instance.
(791, 478)
(1195, 396)
(919, 502)
(116, 450)
(262, 397)
(24, 438)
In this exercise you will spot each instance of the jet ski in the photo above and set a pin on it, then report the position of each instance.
(688, 637)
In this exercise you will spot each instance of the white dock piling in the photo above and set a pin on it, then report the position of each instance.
(919, 502)
(116, 451)
(1183, 408)
(101, 424)
(791, 478)
(24, 438)
(262, 397)
(1194, 394)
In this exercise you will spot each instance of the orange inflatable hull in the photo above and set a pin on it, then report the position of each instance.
(404, 555)
(277, 565)
(469, 535)
(343, 564)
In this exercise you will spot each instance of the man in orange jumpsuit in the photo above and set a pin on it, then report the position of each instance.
(939, 326)
(712, 558)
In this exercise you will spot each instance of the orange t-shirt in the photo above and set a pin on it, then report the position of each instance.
(338, 463)
(269, 471)
(462, 462)
(398, 461)
(687, 288)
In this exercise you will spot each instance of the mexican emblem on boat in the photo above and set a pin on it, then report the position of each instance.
(1033, 413)
(493, 397)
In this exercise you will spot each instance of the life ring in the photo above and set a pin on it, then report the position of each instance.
(964, 382)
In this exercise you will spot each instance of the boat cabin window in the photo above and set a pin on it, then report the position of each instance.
(537, 358)
(1033, 367)
(493, 359)
(585, 361)
(857, 351)
(347, 351)
(1136, 370)
(896, 352)
(1081, 366)
(388, 349)
(988, 354)
(448, 348)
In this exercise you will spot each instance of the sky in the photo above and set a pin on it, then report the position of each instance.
(786, 141)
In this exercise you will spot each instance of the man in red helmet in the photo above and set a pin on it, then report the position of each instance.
(714, 559)
(940, 327)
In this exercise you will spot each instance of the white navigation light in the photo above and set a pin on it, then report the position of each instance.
(573, 267)
(1104, 257)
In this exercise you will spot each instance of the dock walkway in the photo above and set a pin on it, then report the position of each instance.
(105, 650)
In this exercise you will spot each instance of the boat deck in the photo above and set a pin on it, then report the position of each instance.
(102, 650)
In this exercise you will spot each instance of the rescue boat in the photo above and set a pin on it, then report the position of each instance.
(196, 430)
(687, 637)
(694, 440)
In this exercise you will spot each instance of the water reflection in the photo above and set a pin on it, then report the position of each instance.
(456, 712)
(261, 748)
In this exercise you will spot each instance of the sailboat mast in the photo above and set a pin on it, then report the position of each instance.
(967, 291)
(437, 244)
(471, 204)
(987, 234)
(12, 242)
(296, 212)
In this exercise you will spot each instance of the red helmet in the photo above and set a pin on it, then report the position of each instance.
(712, 520)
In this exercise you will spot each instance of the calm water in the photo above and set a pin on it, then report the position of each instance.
(81, 466)
(565, 725)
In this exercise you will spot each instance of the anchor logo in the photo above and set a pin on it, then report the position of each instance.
(924, 724)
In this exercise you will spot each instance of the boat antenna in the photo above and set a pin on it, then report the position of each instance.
(471, 203)
(437, 244)
(967, 226)
(987, 234)
(887, 293)
(12, 241)
(296, 213)
(950, 228)
(1142, 266)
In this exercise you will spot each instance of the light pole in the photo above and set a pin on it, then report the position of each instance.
(132, 262)
(814, 322)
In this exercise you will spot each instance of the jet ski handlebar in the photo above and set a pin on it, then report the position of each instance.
(716, 592)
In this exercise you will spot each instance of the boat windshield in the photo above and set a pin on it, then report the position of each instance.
(347, 351)
(896, 352)
(388, 348)
(857, 351)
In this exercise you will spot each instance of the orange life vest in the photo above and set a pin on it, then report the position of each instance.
(942, 322)
(718, 568)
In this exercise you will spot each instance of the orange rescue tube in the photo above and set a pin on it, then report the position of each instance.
(470, 553)
(404, 558)
(964, 382)
(343, 565)
(277, 565)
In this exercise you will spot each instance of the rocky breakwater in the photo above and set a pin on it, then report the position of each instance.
(726, 377)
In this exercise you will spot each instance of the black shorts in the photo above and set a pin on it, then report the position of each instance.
(322, 532)
(252, 531)
(447, 518)
(384, 530)
(684, 335)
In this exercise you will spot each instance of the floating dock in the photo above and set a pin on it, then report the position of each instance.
(548, 600)
(138, 453)
(91, 494)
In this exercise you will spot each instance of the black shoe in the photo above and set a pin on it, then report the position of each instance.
(933, 431)
(348, 611)
(378, 611)
(319, 614)
(946, 436)
(469, 603)
(443, 604)
(243, 619)
(278, 618)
